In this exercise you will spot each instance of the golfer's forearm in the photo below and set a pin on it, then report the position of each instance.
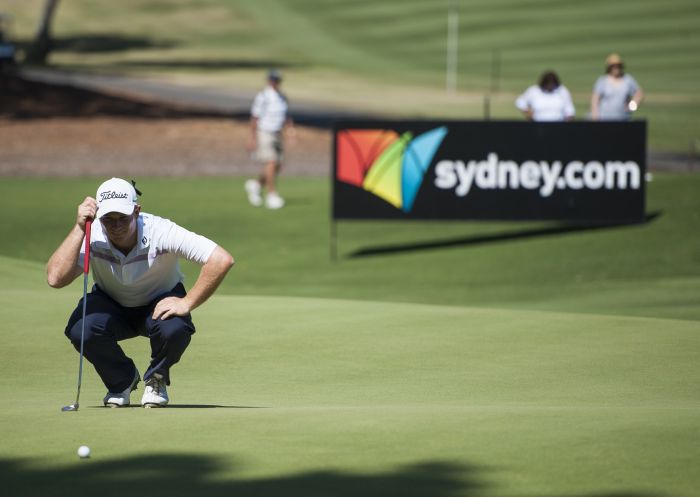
(210, 277)
(62, 267)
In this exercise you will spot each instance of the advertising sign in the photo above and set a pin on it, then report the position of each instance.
(577, 171)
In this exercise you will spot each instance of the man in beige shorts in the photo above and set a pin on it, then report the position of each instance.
(268, 120)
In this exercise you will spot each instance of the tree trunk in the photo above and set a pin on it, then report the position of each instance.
(40, 48)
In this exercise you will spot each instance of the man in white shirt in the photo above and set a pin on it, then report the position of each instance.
(269, 118)
(138, 289)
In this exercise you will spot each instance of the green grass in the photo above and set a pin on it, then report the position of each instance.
(332, 397)
(389, 56)
(560, 365)
(647, 270)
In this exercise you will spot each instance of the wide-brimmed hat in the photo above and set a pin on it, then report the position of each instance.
(613, 60)
(116, 195)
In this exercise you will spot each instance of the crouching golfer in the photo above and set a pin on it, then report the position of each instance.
(138, 289)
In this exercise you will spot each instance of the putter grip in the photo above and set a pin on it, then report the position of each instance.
(86, 261)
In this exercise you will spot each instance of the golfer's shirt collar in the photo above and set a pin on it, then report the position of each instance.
(103, 248)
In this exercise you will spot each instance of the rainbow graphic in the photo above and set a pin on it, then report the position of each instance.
(389, 165)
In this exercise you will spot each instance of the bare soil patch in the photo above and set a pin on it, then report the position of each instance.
(52, 130)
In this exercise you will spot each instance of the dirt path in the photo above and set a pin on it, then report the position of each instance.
(52, 130)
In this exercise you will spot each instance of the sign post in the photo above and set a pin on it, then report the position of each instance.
(452, 47)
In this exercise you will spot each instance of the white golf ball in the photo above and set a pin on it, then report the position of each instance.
(84, 451)
(633, 105)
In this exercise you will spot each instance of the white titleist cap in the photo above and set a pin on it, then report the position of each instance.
(115, 195)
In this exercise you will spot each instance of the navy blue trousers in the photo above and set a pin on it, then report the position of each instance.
(107, 322)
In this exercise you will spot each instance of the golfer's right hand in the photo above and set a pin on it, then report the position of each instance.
(86, 210)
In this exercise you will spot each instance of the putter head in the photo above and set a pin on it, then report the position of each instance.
(72, 407)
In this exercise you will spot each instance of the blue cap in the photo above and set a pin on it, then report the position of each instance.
(274, 75)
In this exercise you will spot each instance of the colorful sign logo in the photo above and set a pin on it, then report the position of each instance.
(389, 165)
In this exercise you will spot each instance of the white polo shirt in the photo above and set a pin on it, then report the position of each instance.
(547, 106)
(151, 268)
(270, 108)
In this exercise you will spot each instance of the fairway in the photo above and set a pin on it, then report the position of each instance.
(359, 377)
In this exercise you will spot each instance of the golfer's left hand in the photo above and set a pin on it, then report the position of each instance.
(171, 306)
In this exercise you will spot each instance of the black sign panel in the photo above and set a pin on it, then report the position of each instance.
(578, 171)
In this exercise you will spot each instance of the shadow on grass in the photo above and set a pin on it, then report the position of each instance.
(211, 406)
(114, 42)
(227, 64)
(25, 99)
(101, 43)
(495, 238)
(184, 406)
(108, 42)
(197, 475)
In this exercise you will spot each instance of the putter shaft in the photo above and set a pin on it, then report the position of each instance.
(86, 272)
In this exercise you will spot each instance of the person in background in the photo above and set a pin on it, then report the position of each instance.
(549, 100)
(615, 94)
(269, 119)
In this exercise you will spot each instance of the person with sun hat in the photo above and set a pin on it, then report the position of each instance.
(616, 94)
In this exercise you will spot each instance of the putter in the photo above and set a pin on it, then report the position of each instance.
(86, 272)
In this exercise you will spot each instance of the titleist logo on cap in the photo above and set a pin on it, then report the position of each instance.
(109, 195)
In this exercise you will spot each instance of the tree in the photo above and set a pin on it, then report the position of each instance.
(42, 45)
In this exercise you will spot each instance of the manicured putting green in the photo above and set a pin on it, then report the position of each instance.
(314, 397)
